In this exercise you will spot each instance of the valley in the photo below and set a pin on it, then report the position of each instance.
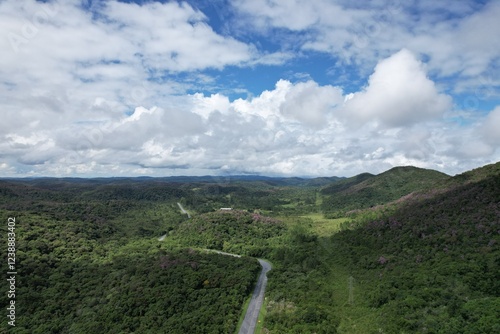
(405, 251)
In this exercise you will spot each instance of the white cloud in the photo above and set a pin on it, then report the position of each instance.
(206, 105)
(61, 58)
(310, 103)
(464, 47)
(212, 133)
(455, 36)
(398, 94)
(295, 14)
(70, 75)
(167, 36)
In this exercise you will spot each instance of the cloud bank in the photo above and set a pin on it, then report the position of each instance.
(112, 88)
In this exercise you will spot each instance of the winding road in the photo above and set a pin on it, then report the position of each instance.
(252, 315)
(253, 310)
(250, 321)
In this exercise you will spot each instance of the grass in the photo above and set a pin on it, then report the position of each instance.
(260, 320)
(324, 227)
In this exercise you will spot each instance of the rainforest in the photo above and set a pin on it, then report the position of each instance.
(409, 250)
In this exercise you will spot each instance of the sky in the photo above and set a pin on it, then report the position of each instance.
(270, 87)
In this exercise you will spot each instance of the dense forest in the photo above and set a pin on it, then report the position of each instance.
(76, 277)
(406, 251)
(434, 263)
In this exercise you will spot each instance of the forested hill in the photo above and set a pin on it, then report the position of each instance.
(433, 264)
(232, 231)
(366, 190)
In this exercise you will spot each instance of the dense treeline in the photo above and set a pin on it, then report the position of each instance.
(115, 196)
(261, 196)
(133, 292)
(92, 263)
(75, 236)
(300, 299)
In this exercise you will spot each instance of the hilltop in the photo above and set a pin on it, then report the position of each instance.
(367, 190)
(477, 174)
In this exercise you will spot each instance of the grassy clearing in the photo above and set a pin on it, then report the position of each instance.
(324, 227)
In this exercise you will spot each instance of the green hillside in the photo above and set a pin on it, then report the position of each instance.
(366, 190)
(434, 265)
(476, 174)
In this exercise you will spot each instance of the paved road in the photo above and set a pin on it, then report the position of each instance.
(250, 321)
(182, 209)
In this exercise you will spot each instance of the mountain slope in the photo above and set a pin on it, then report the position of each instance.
(434, 265)
(346, 183)
(477, 174)
(365, 190)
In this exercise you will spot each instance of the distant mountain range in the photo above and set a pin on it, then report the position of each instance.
(274, 181)
(339, 194)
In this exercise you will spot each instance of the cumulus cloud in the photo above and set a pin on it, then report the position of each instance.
(293, 129)
(129, 89)
(309, 103)
(61, 57)
(398, 93)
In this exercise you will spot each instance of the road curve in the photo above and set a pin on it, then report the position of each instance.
(183, 211)
(252, 315)
(250, 321)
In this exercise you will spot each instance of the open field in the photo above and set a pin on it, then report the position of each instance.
(324, 227)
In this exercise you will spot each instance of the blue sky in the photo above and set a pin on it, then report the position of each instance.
(272, 87)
